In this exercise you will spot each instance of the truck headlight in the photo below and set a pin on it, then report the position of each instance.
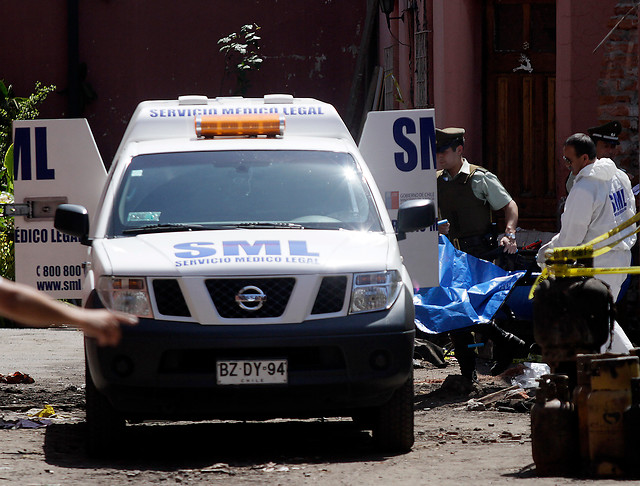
(125, 294)
(375, 291)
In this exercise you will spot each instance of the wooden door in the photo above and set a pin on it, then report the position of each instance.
(519, 105)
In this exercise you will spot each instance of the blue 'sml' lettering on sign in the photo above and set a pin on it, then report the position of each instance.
(408, 160)
(427, 142)
(400, 127)
(22, 154)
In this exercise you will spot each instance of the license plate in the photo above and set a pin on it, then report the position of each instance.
(252, 371)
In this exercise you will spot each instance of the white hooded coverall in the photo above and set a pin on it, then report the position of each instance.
(601, 199)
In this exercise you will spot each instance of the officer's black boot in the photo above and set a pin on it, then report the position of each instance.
(507, 347)
(465, 355)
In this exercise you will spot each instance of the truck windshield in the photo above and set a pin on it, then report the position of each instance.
(187, 191)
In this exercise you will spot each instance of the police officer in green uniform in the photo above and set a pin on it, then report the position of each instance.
(466, 196)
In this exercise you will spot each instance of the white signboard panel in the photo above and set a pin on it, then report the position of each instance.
(399, 148)
(53, 159)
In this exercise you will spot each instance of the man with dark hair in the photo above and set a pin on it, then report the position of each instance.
(600, 199)
(605, 138)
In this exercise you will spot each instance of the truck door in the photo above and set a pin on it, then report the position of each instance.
(399, 148)
(55, 162)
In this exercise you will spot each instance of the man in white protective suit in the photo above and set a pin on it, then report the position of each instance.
(600, 200)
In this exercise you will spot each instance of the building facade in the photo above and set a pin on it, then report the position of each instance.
(520, 76)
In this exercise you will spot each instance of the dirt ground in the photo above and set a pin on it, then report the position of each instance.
(455, 444)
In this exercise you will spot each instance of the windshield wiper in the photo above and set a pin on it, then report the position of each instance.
(269, 225)
(169, 227)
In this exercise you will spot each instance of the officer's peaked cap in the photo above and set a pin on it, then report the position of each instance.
(446, 137)
(607, 133)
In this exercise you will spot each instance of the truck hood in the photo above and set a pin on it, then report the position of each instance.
(244, 252)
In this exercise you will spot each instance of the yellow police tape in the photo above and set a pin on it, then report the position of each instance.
(564, 261)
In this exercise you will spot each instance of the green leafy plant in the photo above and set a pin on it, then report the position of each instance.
(242, 55)
(12, 108)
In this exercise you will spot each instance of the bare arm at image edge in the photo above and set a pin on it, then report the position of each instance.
(33, 308)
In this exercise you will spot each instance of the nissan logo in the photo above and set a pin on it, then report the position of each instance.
(250, 298)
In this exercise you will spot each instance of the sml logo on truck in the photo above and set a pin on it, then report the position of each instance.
(262, 251)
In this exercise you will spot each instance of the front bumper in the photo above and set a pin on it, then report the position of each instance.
(166, 370)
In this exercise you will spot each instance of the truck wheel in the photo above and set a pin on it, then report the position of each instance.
(393, 427)
(105, 425)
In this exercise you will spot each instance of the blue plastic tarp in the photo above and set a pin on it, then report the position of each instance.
(471, 291)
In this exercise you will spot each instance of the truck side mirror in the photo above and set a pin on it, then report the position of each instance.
(73, 220)
(414, 215)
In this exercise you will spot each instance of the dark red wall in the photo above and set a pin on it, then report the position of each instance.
(157, 49)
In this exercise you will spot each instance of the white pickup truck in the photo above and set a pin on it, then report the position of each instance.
(251, 240)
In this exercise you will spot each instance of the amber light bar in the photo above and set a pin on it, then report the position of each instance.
(239, 125)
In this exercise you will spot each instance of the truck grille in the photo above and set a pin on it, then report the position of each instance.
(223, 292)
(330, 296)
(169, 298)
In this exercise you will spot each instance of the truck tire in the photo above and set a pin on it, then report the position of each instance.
(104, 425)
(393, 427)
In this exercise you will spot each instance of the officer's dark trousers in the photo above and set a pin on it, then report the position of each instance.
(463, 341)
(464, 350)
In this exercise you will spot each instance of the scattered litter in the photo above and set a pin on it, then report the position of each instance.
(272, 467)
(46, 412)
(528, 373)
(16, 377)
(474, 405)
(510, 399)
(35, 418)
(219, 467)
(495, 396)
(24, 423)
(52, 415)
(517, 394)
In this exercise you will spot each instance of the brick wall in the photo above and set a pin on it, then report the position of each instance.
(618, 84)
(618, 100)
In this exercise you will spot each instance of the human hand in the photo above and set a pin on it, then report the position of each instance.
(443, 228)
(105, 326)
(509, 244)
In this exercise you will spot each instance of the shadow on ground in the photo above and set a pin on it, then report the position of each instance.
(196, 445)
